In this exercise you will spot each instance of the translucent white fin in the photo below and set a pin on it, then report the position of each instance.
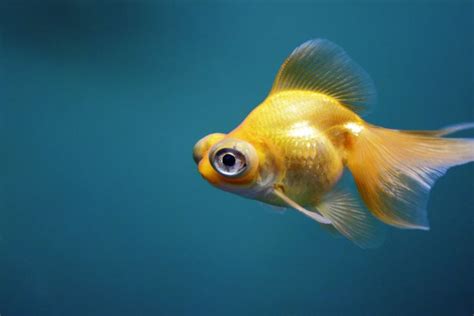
(446, 130)
(395, 170)
(348, 215)
(301, 209)
(329, 228)
(321, 66)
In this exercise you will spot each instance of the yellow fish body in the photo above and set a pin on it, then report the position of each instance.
(292, 150)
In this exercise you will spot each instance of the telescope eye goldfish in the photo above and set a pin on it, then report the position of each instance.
(293, 149)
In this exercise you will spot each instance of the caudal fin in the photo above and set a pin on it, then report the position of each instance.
(395, 170)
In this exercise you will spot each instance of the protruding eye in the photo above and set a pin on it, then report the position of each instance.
(229, 162)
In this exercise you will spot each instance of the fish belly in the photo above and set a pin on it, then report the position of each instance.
(312, 167)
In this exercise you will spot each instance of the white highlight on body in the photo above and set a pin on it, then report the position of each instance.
(355, 128)
(302, 129)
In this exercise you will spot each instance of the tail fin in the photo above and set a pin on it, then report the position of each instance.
(395, 170)
(444, 131)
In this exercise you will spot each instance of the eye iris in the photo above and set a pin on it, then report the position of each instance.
(228, 160)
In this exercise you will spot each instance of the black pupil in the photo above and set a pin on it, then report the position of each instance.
(228, 160)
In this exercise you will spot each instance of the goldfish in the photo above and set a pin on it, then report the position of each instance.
(295, 149)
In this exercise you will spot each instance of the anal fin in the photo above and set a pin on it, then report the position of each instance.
(351, 219)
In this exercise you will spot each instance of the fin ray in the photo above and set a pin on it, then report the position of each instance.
(343, 207)
(395, 170)
(321, 66)
(445, 130)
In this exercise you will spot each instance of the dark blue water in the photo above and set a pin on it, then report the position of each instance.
(104, 213)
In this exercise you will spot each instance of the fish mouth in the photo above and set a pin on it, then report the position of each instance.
(197, 157)
(197, 153)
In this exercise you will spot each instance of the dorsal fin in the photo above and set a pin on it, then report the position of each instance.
(321, 66)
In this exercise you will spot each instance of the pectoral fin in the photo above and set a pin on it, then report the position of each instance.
(317, 217)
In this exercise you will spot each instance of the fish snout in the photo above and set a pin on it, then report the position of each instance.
(203, 145)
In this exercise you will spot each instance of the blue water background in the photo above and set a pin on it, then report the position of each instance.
(103, 211)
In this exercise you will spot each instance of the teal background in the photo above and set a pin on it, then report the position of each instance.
(103, 211)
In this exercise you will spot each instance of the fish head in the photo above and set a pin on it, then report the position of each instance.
(233, 164)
